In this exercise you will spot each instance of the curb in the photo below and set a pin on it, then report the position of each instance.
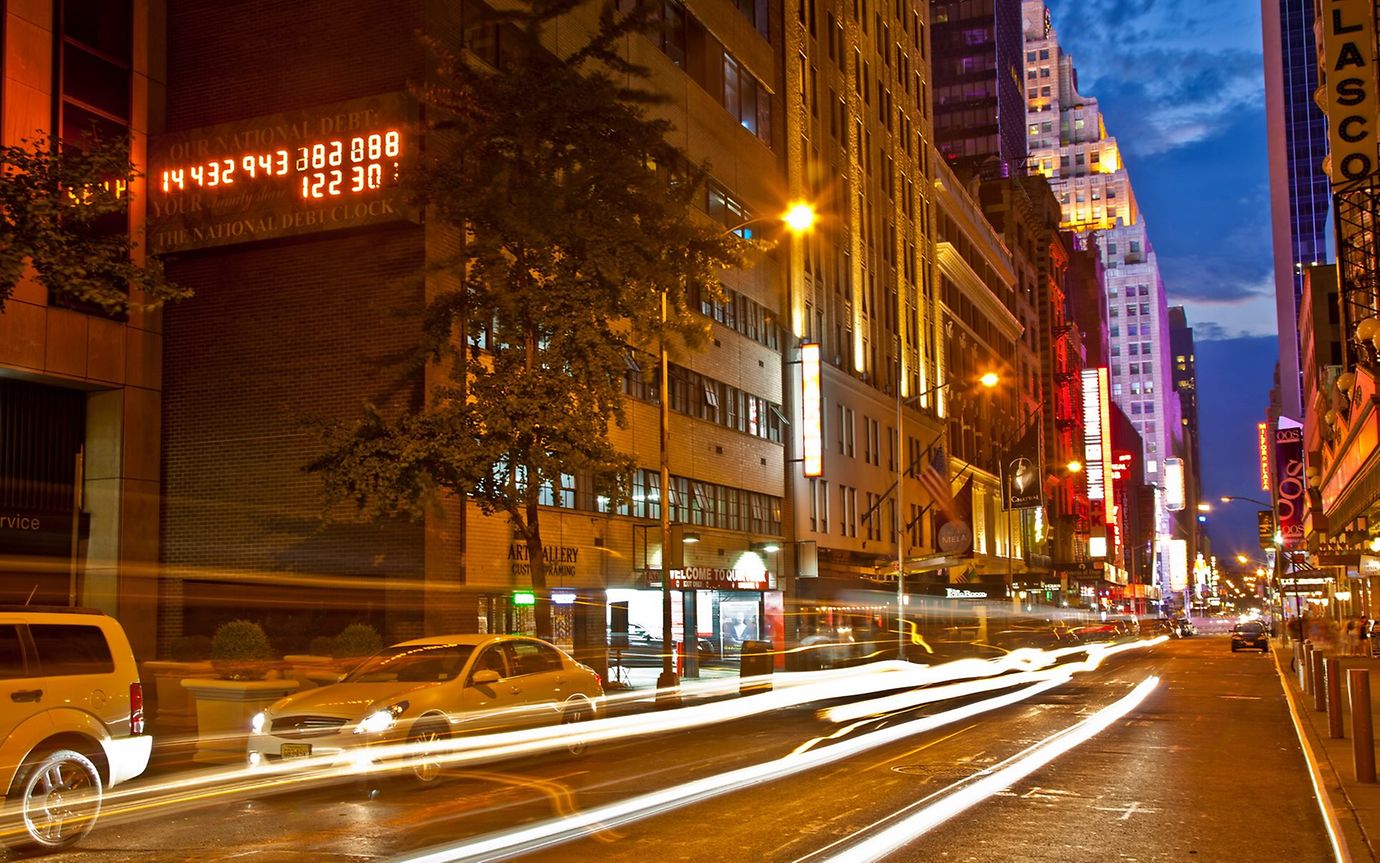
(1323, 789)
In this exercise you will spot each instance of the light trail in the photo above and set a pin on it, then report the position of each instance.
(215, 785)
(1097, 654)
(969, 792)
(556, 831)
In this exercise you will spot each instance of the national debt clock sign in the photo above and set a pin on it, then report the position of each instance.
(325, 168)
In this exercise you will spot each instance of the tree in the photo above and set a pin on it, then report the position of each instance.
(63, 212)
(574, 216)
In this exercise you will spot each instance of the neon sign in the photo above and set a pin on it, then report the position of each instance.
(1262, 432)
(811, 409)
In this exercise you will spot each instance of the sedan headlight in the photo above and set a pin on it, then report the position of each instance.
(259, 723)
(381, 720)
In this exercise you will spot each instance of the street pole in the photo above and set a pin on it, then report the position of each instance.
(901, 520)
(667, 685)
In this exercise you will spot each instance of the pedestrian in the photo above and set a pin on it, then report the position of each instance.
(1362, 636)
(1349, 637)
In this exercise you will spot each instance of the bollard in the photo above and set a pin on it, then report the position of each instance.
(1319, 684)
(1362, 732)
(1306, 669)
(1334, 699)
(1300, 662)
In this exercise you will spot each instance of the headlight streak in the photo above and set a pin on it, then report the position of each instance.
(613, 815)
(206, 786)
(969, 792)
(1097, 654)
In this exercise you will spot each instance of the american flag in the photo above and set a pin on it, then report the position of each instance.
(934, 479)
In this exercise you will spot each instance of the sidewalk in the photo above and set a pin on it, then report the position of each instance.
(1354, 806)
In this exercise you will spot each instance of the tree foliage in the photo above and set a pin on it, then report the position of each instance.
(576, 217)
(62, 211)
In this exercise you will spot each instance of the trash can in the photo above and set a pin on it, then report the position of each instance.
(755, 667)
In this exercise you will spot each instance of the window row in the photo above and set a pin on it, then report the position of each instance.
(705, 504)
(745, 316)
(696, 395)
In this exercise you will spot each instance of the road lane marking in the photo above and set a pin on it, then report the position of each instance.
(963, 795)
(1127, 811)
(923, 746)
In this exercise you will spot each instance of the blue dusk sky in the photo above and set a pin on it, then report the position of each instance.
(1181, 87)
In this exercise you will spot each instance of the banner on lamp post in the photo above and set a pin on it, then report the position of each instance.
(1021, 473)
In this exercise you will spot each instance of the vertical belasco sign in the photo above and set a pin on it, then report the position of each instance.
(1290, 494)
(1348, 56)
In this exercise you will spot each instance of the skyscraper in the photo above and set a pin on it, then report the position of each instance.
(1069, 145)
(1299, 194)
(978, 112)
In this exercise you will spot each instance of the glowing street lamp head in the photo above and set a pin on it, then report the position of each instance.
(989, 380)
(799, 218)
(1241, 558)
(1205, 507)
(1074, 466)
(1226, 498)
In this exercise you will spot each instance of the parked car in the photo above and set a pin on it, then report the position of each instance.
(426, 690)
(72, 725)
(1250, 634)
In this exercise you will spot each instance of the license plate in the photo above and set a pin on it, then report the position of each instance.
(295, 750)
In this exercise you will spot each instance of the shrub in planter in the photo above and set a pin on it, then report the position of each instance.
(357, 641)
(191, 648)
(240, 651)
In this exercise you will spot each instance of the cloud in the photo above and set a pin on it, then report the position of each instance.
(1167, 73)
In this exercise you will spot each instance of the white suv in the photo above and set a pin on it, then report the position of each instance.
(71, 721)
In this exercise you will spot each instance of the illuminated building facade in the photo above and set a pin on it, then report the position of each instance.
(1184, 372)
(1299, 192)
(80, 389)
(1070, 146)
(293, 319)
(979, 101)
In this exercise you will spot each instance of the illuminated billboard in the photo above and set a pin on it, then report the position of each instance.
(1178, 564)
(1262, 434)
(1174, 484)
(811, 409)
(1094, 451)
(325, 168)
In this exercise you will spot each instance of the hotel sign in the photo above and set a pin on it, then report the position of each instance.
(1093, 450)
(1262, 434)
(326, 168)
(1348, 67)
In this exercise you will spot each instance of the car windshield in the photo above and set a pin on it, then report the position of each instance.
(414, 663)
(1249, 628)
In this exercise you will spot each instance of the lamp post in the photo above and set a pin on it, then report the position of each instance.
(988, 380)
(1280, 558)
(798, 218)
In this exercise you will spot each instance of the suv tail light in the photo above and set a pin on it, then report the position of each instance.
(136, 708)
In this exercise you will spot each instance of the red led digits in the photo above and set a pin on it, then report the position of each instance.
(324, 169)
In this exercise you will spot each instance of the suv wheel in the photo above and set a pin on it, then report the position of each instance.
(59, 797)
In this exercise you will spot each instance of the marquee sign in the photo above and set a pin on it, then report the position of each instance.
(326, 168)
(1348, 66)
(1290, 501)
(812, 409)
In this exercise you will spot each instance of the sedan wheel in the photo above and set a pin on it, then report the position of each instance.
(576, 745)
(426, 744)
(59, 798)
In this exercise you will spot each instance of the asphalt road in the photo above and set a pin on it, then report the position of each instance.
(1207, 769)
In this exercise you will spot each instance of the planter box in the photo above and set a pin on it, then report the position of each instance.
(223, 711)
(176, 712)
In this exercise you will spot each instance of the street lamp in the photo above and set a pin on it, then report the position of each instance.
(988, 380)
(798, 218)
(1074, 466)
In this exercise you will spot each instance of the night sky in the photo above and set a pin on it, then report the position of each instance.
(1181, 87)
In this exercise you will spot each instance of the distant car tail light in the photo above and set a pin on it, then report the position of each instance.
(136, 708)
